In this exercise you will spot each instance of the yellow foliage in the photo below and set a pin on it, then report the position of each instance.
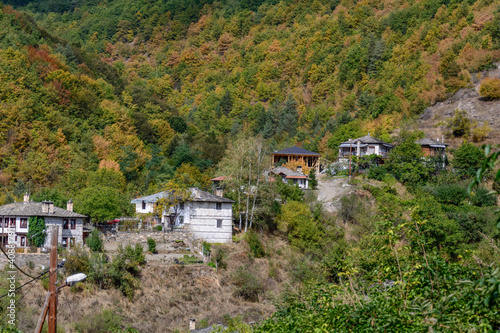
(109, 164)
(292, 165)
(479, 133)
(490, 88)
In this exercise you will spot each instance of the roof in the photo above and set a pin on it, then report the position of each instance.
(367, 139)
(430, 142)
(220, 178)
(196, 195)
(295, 151)
(213, 328)
(288, 173)
(34, 209)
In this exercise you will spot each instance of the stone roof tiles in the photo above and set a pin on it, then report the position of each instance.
(35, 209)
(296, 151)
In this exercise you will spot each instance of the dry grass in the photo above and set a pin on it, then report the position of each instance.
(170, 295)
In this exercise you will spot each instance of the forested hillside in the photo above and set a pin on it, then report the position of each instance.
(103, 101)
(148, 89)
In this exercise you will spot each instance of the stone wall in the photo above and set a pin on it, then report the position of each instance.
(21, 259)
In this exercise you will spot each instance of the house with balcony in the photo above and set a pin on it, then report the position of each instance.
(207, 216)
(365, 145)
(310, 159)
(14, 218)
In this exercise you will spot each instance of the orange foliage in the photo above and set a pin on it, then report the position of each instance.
(109, 164)
(293, 165)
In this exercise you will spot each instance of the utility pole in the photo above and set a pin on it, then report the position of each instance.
(50, 305)
(52, 282)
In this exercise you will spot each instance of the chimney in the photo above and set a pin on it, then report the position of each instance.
(192, 324)
(26, 197)
(51, 207)
(45, 207)
(69, 205)
(219, 191)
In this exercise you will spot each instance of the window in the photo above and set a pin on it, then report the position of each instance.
(73, 224)
(24, 223)
(181, 206)
(181, 219)
(219, 223)
(23, 241)
(13, 222)
(72, 242)
(65, 224)
(65, 241)
(218, 206)
(143, 205)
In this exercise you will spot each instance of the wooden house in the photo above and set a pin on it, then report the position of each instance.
(432, 148)
(310, 159)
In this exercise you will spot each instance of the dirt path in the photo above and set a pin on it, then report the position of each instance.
(330, 190)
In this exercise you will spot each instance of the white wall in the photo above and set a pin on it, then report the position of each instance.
(202, 221)
(149, 208)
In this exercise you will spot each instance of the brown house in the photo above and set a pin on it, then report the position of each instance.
(431, 148)
(311, 159)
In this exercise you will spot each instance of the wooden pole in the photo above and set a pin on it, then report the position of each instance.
(52, 282)
(41, 319)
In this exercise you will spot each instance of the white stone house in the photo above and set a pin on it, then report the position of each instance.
(365, 145)
(290, 176)
(205, 215)
(14, 217)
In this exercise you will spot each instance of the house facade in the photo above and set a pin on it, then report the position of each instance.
(14, 217)
(365, 145)
(290, 176)
(205, 215)
(432, 148)
(310, 159)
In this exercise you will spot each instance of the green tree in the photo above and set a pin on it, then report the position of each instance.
(313, 181)
(94, 241)
(102, 203)
(407, 164)
(467, 159)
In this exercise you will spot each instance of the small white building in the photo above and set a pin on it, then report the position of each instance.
(205, 215)
(14, 218)
(290, 176)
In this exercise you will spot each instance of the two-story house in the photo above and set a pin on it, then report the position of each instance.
(205, 215)
(14, 217)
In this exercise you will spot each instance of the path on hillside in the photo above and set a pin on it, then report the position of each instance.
(330, 190)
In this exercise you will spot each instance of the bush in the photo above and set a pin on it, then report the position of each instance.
(219, 257)
(490, 88)
(377, 172)
(77, 262)
(94, 241)
(482, 198)
(452, 194)
(459, 125)
(247, 284)
(36, 231)
(467, 159)
(159, 228)
(105, 321)
(255, 244)
(151, 245)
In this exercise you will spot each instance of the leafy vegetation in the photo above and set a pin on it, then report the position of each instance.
(37, 231)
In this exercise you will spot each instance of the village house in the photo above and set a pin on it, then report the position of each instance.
(291, 177)
(205, 215)
(365, 145)
(432, 148)
(15, 216)
(310, 159)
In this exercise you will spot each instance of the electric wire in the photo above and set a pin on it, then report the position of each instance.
(37, 278)
(15, 264)
(26, 293)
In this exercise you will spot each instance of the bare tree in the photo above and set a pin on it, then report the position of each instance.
(243, 167)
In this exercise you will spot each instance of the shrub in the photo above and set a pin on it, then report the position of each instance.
(159, 228)
(467, 159)
(151, 245)
(452, 194)
(479, 133)
(482, 198)
(490, 88)
(219, 257)
(247, 284)
(459, 125)
(94, 241)
(256, 246)
(377, 172)
(77, 262)
(105, 321)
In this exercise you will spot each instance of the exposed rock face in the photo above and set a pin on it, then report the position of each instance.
(433, 120)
